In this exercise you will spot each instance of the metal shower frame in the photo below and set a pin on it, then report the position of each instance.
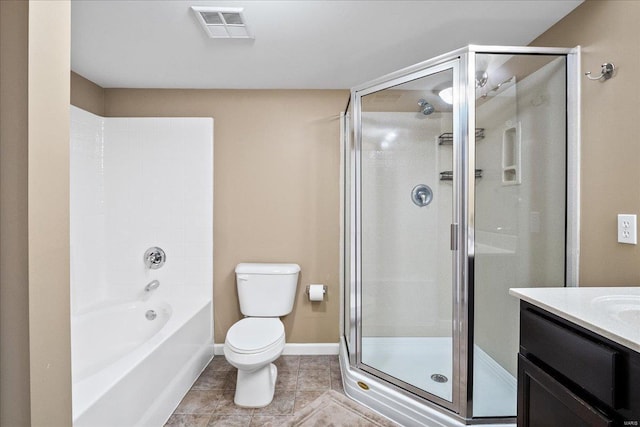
(463, 64)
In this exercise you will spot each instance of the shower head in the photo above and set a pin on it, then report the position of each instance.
(425, 107)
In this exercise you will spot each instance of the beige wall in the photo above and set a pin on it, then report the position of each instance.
(48, 116)
(34, 250)
(86, 94)
(14, 274)
(607, 32)
(276, 197)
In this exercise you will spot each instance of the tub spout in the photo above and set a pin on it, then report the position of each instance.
(151, 286)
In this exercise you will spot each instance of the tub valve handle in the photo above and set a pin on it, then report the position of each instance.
(154, 258)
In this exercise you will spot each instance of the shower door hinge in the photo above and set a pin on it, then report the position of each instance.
(454, 237)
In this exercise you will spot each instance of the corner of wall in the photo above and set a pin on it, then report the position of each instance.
(86, 94)
(49, 54)
(14, 275)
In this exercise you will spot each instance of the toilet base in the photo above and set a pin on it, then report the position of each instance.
(254, 389)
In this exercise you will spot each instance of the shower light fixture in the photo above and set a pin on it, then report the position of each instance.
(391, 136)
(388, 139)
(446, 95)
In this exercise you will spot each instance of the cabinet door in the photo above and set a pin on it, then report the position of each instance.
(544, 402)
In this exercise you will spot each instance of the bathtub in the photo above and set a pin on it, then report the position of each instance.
(128, 370)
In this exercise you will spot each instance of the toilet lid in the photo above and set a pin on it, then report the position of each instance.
(254, 334)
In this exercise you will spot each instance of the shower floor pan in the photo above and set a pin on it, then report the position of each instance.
(425, 362)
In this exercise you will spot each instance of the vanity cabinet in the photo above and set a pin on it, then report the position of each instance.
(570, 376)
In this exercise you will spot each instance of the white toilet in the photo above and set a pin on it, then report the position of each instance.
(266, 292)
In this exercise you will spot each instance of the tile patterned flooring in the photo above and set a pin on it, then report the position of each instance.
(301, 380)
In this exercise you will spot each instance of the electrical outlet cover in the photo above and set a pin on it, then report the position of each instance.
(627, 229)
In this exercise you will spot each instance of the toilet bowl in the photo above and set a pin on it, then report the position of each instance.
(251, 345)
(265, 291)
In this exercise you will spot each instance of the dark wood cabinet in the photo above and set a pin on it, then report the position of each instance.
(543, 401)
(569, 376)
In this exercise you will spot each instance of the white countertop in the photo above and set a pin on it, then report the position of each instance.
(611, 312)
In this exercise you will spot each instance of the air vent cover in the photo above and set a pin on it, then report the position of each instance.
(223, 22)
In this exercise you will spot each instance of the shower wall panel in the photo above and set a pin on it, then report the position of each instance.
(137, 183)
(159, 193)
(87, 210)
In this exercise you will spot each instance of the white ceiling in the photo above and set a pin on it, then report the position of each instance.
(303, 44)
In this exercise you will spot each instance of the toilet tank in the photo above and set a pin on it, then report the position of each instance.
(266, 290)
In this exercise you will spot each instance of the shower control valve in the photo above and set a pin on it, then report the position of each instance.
(154, 258)
(421, 195)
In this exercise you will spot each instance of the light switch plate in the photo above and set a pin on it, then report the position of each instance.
(627, 229)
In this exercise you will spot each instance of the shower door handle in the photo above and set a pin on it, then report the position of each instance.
(454, 237)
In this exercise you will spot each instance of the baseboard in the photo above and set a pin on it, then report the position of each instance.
(296, 348)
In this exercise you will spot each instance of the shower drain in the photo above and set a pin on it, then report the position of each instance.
(439, 378)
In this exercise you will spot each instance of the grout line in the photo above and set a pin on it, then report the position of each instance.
(253, 413)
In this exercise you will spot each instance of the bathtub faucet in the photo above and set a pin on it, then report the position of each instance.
(151, 286)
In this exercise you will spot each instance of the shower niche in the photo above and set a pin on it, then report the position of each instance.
(428, 322)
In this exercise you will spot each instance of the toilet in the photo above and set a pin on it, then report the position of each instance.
(265, 292)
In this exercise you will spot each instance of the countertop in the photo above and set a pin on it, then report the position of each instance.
(608, 311)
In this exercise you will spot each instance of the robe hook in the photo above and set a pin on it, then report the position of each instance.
(606, 72)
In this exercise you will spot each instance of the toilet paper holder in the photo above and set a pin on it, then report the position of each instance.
(324, 289)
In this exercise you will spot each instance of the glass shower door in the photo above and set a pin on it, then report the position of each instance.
(406, 208)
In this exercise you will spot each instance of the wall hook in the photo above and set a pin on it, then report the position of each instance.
(606, 72)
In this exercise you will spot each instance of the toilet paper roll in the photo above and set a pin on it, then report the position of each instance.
(316, 292)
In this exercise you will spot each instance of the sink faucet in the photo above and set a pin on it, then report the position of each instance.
(151, 286)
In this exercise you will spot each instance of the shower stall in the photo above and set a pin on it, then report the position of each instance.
(460, 182)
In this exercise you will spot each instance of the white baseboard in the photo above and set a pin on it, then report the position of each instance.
(296, 348)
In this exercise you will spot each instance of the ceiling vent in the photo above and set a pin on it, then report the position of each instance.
(223, 22)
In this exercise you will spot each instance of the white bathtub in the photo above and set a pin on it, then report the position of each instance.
(131, 371)
(108, 334)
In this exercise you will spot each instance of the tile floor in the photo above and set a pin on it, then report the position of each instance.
(301, 380)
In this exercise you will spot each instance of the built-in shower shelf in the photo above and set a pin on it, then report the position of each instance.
(448, 175)
(447, 137)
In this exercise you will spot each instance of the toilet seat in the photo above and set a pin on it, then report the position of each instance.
(254, 335)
